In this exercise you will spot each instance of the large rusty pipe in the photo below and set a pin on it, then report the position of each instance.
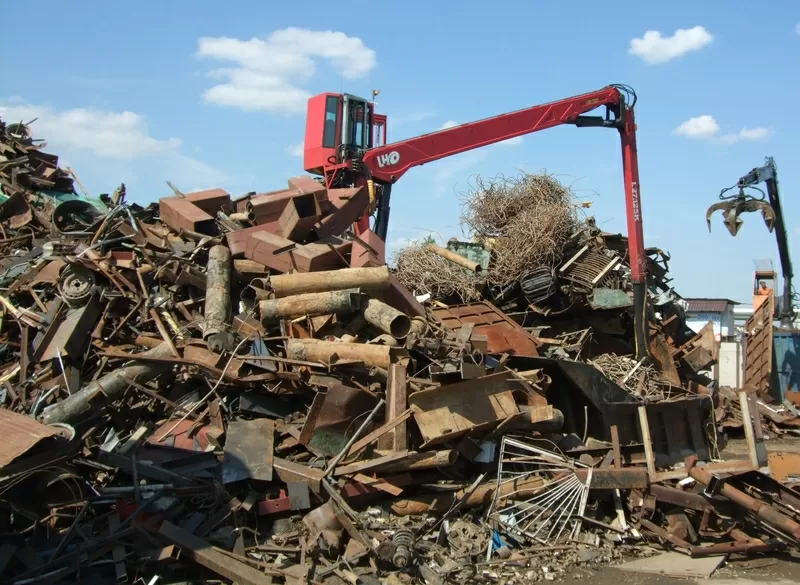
(481, 497)
(339, 302)
(761, 509)
(328, 352)
(374, 279)
(109, 386)
(457, 259)
(218, 299)
(387, 318)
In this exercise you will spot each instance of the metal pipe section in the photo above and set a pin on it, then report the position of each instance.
(329, 352)
(218, 300)
(340, 302)
(109, 386)
(387, 318)
(373, 279)
(761, 509)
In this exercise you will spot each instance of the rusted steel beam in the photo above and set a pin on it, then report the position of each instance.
(610, 479)
(202, 553)
(182, 215)
(299, 217)
(73, 407)
(761, 509)
(676, 497)
(369, 280)
(218, 300)
(416, 461)
(482, 496)
(387, 318)
(339, 302)
(396, 404)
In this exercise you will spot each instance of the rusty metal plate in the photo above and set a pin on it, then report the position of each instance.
(503, 335)
(758, 348)
(249, 450)
(20, 434)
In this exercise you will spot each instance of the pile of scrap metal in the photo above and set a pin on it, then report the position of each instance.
(240, 389)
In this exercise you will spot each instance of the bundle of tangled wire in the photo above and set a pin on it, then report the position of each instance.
(639, 380)
(526, 220)
(422, 270)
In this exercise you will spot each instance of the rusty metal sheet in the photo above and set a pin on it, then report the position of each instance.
(758, 348)
(503, 334)
(448, 412)
(249, 450)
(332, 415)
(20, 434)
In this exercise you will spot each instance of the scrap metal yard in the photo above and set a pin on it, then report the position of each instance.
(244, 389)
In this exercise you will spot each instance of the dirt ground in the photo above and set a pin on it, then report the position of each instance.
(783, 570)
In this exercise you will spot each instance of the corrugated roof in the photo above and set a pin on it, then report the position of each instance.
(20, 434)
(708, 305)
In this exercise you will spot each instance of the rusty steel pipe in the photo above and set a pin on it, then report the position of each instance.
(367, 279)
(218, 300)
(73, 407)
(457, 259)
(761, 509)
(248, 216)
(387, 318)
(329, 352)
(340, 302)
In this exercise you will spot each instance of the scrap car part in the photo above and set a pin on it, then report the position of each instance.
(75, 284)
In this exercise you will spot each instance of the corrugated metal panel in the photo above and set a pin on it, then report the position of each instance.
(758, 348)
(786, 346)
(20, 434)
(503, 335)
(708, 305)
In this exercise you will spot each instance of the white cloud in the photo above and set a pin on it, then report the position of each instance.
(448, 124)
(295, 149)
(797, 28)
(120, 135)
(87, 136)
(654, 48)
(268, 74)
(705, 127)
(702, 127)
(748, 134)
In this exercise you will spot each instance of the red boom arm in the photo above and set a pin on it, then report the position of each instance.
(386, 164)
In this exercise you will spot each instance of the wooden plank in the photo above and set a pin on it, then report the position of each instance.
(380, 432)
(758, 431)
(749, 433)
(616, 447)
(648, 443)
(396, 403)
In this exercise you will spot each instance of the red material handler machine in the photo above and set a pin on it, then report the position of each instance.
(345, 143)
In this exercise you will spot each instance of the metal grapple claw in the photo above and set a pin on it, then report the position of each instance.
(733, 207)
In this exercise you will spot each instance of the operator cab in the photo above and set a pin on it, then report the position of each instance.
(338, 128)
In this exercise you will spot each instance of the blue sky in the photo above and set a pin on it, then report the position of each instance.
(212, 95)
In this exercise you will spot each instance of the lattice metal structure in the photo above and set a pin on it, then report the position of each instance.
(544, 514)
